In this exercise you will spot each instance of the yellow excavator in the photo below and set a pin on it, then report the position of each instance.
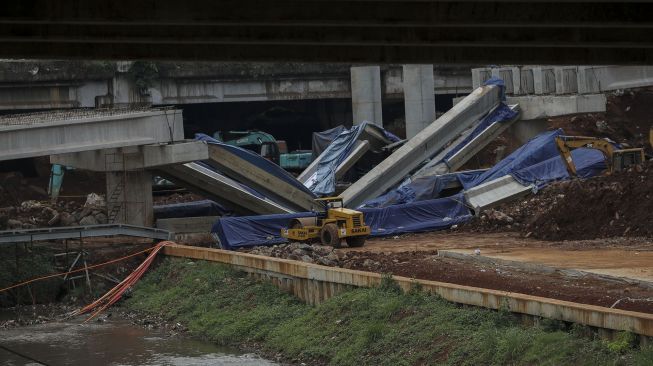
(331, 226)
(615, 159)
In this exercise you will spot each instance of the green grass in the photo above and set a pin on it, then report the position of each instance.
(378, 326)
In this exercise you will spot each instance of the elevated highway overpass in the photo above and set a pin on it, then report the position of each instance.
(352, 31)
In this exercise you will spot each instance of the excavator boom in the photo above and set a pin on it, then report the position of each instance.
(615, 159)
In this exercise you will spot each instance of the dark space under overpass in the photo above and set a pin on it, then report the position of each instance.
(353, 31)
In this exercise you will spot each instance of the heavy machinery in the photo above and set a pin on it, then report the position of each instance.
(331, 226)
(268, 147)
(615, 159)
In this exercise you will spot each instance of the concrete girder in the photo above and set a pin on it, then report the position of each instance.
(468, 151)
(495, 192)
(357, 152)
(135, 157)
(45, 134)
(423, 146)
(259, 179)
(222, 189)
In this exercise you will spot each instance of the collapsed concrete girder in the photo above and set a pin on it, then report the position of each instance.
(371, 138)
(220, 188)
(261, 180)
(423, 146)
(437, 166)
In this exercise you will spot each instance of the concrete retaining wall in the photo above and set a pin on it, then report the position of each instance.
(314, 283)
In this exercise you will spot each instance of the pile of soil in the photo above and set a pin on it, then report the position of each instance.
(600, 207)
(609, 206)
(627, 119)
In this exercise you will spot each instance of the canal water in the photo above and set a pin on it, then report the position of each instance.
(114, 342)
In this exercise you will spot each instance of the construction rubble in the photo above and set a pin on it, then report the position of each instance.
(36, 214)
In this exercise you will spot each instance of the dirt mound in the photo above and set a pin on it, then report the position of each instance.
(601, 207)
(617, 205)
(627, 119)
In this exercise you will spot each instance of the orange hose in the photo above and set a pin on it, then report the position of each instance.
(76, 270)
(116, 292)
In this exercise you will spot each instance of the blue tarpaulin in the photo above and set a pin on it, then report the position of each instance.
(256, 160)
(502, 113)
(321, 140)
(430, 187)
(323, 183)
(239, 232)
(419, 189)
(537, 162)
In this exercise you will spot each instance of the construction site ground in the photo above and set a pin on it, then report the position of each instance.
(616, 272)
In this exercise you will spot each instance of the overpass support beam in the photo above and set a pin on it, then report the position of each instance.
(135, 157)
(366, 94)
(419, 98)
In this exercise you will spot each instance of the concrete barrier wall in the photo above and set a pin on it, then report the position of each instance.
(314, 283)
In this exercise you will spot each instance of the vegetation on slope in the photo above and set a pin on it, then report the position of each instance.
(379, 326)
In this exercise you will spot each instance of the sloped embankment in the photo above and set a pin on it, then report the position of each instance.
(380, 326)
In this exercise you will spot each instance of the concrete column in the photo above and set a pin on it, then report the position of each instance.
(366, 94)
(419, 98)
(129, 198)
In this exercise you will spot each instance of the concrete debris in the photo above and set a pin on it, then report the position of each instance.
(319, 254)
(95, 200)
(32, 214)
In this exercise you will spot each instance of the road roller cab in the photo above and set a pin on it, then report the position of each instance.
(331, 226)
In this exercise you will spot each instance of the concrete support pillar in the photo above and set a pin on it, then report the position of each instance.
(419, 98)
(366, 94)
(129, 198)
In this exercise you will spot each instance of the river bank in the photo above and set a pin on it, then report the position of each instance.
(379, 326)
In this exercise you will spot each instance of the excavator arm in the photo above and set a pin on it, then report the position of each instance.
(615, 160)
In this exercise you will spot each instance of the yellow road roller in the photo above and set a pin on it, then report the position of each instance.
(331, 226)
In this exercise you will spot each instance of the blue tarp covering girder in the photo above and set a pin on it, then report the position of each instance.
(321, 140)
(257, 160)
(239, 232)
(502, 113)
(323, 182)
(537, 162)
(419, 189)
(429, 187)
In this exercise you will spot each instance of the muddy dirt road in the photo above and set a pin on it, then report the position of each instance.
(599, 264)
